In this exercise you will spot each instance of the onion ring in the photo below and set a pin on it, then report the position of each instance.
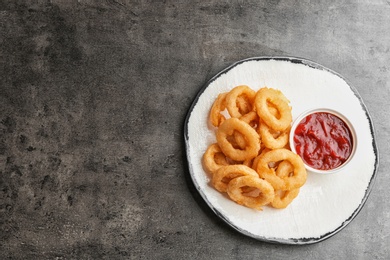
(252, 139)
(257, 158)
(297, 178)
(216, 118)
(236, 191)
(284, 197)
(250, 118)
(239, 101)
(273, 139)
(267, 97)
(212, 158)
(244, 104)
(224, 175)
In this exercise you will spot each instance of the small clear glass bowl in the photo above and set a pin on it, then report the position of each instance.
(339, 115)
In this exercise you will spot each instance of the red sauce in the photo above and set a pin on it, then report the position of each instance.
(323, 141)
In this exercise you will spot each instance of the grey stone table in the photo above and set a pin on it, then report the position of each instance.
(93, 97)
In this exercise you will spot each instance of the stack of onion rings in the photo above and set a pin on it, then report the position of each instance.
(251, 160)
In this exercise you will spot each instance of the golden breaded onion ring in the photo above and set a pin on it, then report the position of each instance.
(297, 178)
(219, 105)
(237, 191)
(250, 118)
(224, 175)
(273, 139)
(250, 135)
(210, 158)
(214, 158)
(284, 197)
(267, 97)
(239, 101)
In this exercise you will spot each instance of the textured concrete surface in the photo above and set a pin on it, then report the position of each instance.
(93, 96)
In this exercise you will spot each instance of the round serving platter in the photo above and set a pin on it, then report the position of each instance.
(326, 203)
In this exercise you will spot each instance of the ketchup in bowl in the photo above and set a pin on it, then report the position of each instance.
(323, 140)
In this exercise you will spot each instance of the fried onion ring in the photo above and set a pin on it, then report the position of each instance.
(273, 139)
(266, 171)
(257, 158)
(224, 175)
(213, 158)
(216, 118)
(253, 120)
(267, 97)
(284, 197)
(239, 101)
(251, 137)
(238, 187)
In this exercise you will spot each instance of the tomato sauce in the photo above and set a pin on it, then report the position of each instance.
(323, 141)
